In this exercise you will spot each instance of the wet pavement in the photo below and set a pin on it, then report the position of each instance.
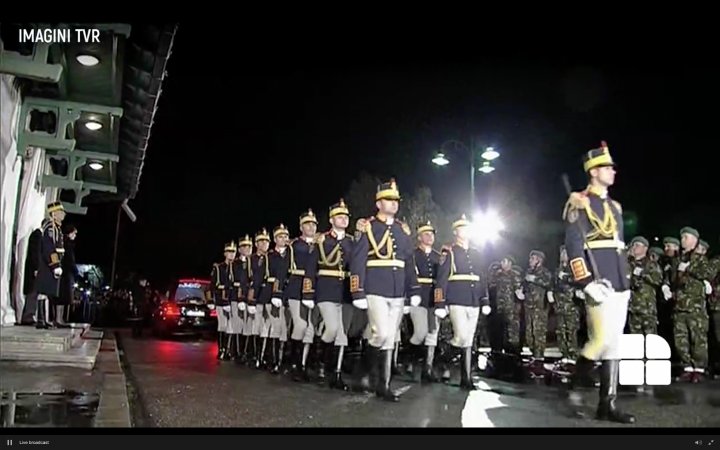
(181, 384)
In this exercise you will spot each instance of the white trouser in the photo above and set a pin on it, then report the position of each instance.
(302, 327)
(426, 326)
(332, 315)
(234, 325)
(274, 327)
(606, 323)
(249, 324)
(223, 318)
(464, 321)
(384, 315)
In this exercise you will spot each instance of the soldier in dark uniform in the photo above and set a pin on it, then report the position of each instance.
(594, 226)
(269, 284)
(462, 288)
(50, 270)
(224, 293)
(32, 266)
(383, 275)
(426, 324)
(302, 252)
(243, 274)
(255, 320)
(326, 285)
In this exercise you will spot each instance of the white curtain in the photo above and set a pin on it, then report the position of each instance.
(30, 216)
(10, 166)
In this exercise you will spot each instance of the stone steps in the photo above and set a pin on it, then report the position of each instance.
(76, 347)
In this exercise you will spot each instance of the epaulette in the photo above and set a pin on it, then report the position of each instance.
(320, 237)
(405, 227)
(577, 201)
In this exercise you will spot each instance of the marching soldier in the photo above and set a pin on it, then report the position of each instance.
(269, 285)
(462, 289)
(256, 305)
(302, 254)
(50, 270)
(243, 275)
(568, 314)
(426, 324)
(508, 282)
(537, 282)
(714, 312)
(326, 285)
(382, 276)
(594, 242)
(690, 318)
(223, 278)
(646, 278)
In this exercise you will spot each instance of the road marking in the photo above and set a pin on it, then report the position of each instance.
(474, 413)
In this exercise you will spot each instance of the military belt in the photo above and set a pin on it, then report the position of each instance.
(60, 250)
(271, 279)
(236, 284)
(425, 280)
(386, 263)
(605, 243)
(332, 273)
(298, 272)
(463, 277)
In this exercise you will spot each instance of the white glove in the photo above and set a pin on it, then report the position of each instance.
(683, 266)
(226, 309)
(406, 310)
(485, 310)
(415, 300)
(242, 306)
(58, 272)
(708, 287)
(598, 291)
(520, 294)
(276, 302)
(530, 278)
(638, 271)
(308, 304)
(580, 294)
(551, 297)
(360, 303)
(441, 313)
(667, 293)
(252, 309)
(561, 275)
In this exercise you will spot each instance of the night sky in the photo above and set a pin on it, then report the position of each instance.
(236, 149)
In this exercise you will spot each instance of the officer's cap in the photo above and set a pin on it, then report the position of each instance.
(641, 240)
(462, 221)
(598, 157)
(671, 240)
(280, 230)
(308, 217)
(427, 226)
(262, 236)
(691, 231)
(55, 206)
(339, 208)
(388, 191)
(245, 241)
(704, 244)
(230, 247)
(538, 253)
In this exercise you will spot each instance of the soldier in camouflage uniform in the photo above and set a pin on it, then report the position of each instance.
(645, 279)
(568, 313)
(508, 280)
(537, 283)
(690, 318)
(655, 254)
(714, 311)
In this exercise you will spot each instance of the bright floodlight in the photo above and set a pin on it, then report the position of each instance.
(440, 160)
(486, 227)
(87, 60)
(486, 168)
(95, 165)
(489, 154)
(93, 125)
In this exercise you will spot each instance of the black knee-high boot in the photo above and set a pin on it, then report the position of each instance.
(241, 349)
(337, 382)
(383, 390)
(466, 381)
(220, 345)
(428, 375)
(368, 368)
(42, 323)
(609, 376)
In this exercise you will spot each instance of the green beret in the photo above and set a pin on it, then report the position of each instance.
(671, 240)
(704, 244)
(537, 253)
(510, 258)
(641, 240)
(657, 250)
(690, 230)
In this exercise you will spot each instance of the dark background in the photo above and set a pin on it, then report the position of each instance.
(248, 136)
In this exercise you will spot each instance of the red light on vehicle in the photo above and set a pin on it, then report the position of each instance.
(171, 310)
(213, 313)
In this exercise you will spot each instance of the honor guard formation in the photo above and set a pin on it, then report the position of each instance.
(301, 306)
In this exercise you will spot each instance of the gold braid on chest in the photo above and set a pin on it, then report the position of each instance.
(384, 242)
(605, 227)
(331, 259)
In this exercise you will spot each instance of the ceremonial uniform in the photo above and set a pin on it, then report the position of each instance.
(462, 288)
(645, 279)
(224, 294)
(537, 283)
(382, 275)
(243, 276)
(690, 317)
(327, 286)
(594, 226)
(49, 271)
(567, 312)
(255, 320)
